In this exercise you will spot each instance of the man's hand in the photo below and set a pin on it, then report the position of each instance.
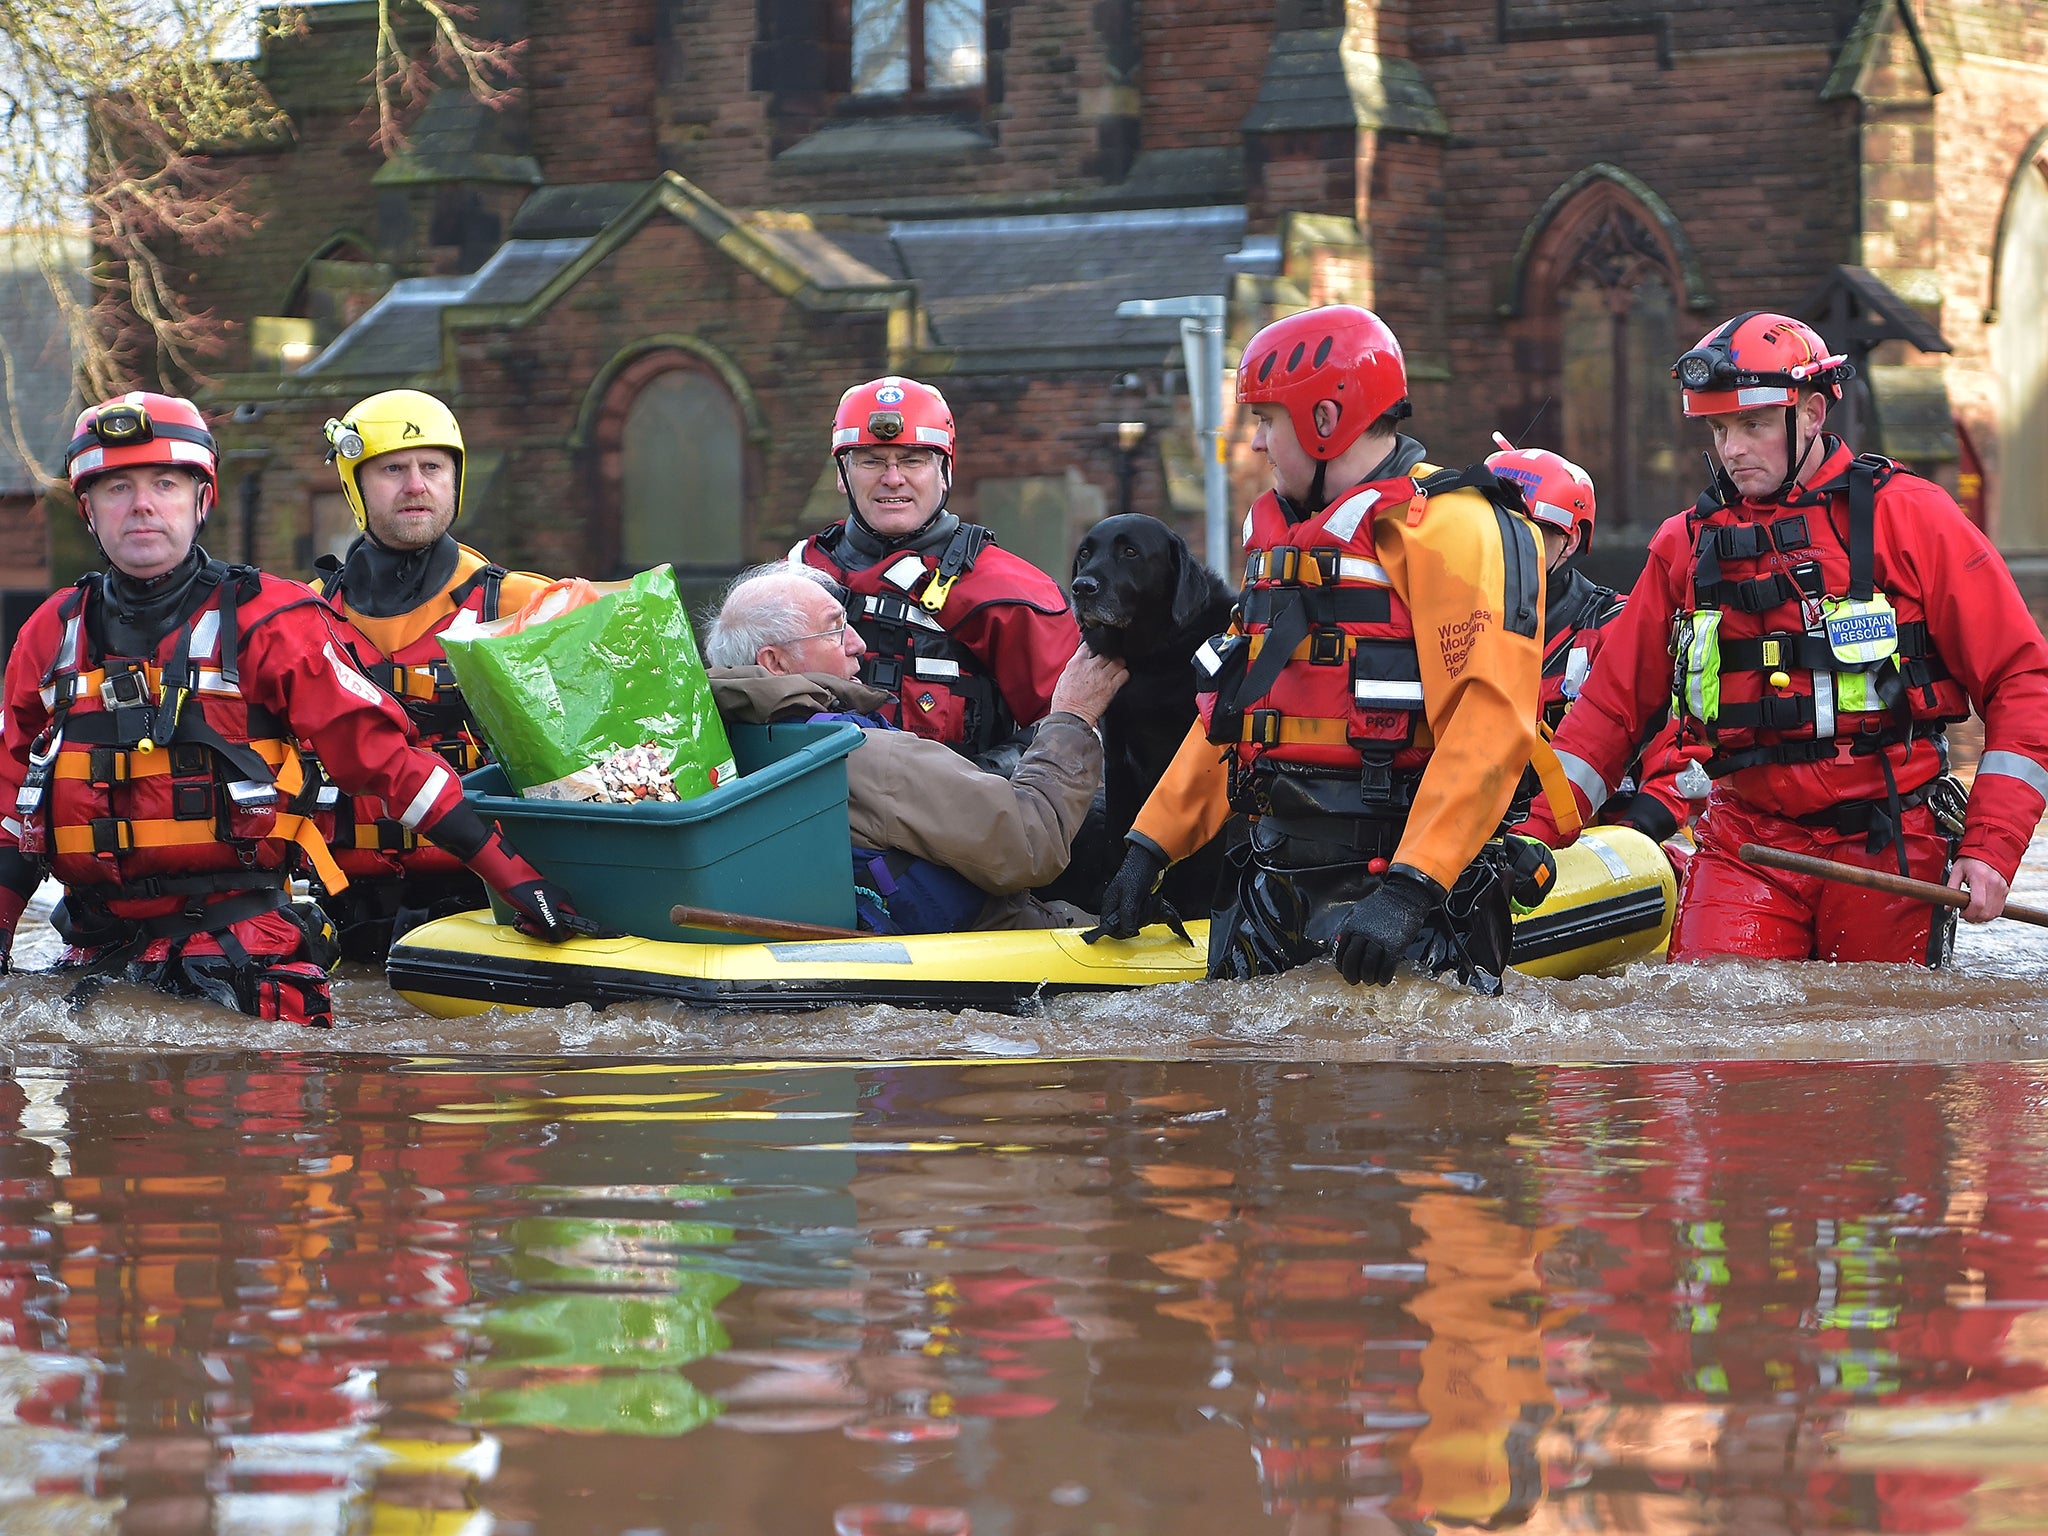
(1130, 900)
(1377, 931)
(1088, 684)
(541, 907)
(1987, 887)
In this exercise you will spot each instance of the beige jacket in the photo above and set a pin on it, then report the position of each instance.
(922, 798)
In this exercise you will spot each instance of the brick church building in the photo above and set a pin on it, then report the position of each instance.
(644, 286)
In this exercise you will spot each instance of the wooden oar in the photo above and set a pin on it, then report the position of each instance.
(1878, 880)
(754, 927)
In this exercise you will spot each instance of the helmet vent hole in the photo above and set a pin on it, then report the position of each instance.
(1323, 351)
(1266, 367)
(1294, 357)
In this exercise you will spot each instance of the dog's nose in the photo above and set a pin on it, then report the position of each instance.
(1086, 586)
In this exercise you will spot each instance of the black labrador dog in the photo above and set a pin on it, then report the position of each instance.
(1142, 597)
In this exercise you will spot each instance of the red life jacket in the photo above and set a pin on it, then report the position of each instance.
(909, 605)
(1323, 674)
(369, 839)
(1756, 673)
(155, 778)
(1347, 687)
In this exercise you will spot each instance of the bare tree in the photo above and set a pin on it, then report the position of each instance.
(109, 110)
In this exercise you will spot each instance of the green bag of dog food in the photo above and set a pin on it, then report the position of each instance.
(594, 691)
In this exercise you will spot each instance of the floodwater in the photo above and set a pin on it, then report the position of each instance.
(1714, 1249)
(1991, 1006)
(343, 1294)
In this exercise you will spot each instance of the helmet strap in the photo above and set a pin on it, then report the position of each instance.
(1318, 494)
(1793, 452)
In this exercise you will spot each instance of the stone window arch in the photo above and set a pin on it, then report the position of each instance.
(1605, 294)
(676, 466)
(2019, 357)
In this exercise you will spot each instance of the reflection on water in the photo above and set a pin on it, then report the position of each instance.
(248, 1293)
(1993, 1006)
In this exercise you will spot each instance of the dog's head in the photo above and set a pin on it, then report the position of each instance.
(1138, 588)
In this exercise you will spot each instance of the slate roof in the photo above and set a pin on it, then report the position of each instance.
(38, 352)
(990, 287)
(1055, 280)
(401, 332)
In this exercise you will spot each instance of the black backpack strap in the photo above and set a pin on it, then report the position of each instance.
(487, 578)
(1502, 492)
(1863, 527)
(67, 610)
(327, 577)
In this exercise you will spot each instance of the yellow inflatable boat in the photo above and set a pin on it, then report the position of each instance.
(1613, 904)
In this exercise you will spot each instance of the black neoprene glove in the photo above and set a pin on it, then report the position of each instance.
(1130, 900)
(1378, 929)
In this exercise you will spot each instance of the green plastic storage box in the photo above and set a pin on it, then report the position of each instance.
(773, 843)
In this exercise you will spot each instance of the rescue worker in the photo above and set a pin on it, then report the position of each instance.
(1375, 702)
(1560, 497)
(403, 581)
(940, 845)
(1820, 618)
(968, 638)
(149, 762)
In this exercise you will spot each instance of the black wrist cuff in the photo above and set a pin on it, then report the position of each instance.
(462, 832)
(1413, 883)
(1140, 840)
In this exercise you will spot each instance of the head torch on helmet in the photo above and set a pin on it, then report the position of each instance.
(1704, 367)
(343, 440)
(885, 426)
(118, 426)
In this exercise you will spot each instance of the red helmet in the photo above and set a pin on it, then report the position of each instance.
(893, 413)
(1758, 358)
(141, 428)
(1559, 493)
(1339, 353)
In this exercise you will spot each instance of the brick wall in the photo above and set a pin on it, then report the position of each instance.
(1201, 70)
(1994, 71)
(591, 89)
(1760, 174)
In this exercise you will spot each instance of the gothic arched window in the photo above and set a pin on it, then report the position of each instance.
(682, 475)
(1602, 301)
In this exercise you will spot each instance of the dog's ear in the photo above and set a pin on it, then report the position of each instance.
(1194, 587)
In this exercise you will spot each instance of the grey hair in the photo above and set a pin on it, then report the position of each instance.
(758, 610)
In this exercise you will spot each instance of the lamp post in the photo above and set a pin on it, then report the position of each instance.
(1201, 340)
(1129, 435)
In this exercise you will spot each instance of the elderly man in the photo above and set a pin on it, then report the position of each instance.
(939, 844)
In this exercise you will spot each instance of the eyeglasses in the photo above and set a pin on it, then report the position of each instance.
(837, 634)
(912, 463)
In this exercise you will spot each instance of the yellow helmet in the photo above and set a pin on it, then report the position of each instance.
(385, 423)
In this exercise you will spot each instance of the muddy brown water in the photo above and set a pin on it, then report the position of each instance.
(1711, 1249)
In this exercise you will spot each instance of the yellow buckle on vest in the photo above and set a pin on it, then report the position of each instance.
(1773, 653)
